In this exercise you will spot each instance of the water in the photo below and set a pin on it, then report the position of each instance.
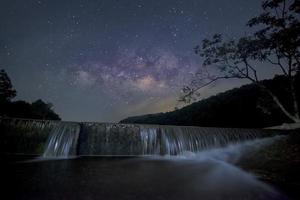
(209, 175)
(172, 140)
(127, 139)
(173, 163)
(67, 138)
(230, 153)
(62, 140)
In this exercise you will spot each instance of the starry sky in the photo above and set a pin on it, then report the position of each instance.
(105, 60)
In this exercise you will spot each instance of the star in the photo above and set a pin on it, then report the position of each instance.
(100, 60)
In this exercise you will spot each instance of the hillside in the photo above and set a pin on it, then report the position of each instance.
(243, 107)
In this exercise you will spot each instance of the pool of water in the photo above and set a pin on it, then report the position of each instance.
(139, 178)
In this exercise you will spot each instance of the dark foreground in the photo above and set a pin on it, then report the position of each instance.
(132, 178)
(277, 164)
(208, 177)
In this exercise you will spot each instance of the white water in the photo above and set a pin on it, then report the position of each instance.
(217, 177)
(62, 140)
(118, 139)
(232, 152)
(172, 140)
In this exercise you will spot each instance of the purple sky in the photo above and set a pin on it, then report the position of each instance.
(106, 60)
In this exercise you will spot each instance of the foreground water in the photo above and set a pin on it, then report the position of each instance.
(208, 175)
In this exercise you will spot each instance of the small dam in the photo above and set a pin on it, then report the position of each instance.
(63, 139)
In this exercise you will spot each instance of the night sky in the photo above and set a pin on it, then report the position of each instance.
(104, 60)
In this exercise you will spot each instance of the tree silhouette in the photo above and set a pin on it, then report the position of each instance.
(6, 89)
(276, 41)
(42, 110)
(22, 109)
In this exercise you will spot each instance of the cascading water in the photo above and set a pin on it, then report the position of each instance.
(30, 136)
(62, 140)
(126, 139)
(173, 140)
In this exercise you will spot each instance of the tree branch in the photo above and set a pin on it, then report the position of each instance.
(253, 71)
(193, 90)
(277, 63)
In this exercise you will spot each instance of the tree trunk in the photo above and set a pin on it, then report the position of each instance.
(294, 97)
(294, 118)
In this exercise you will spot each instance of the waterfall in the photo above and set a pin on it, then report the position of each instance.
(30, 136)
(129, 139)
(176, 140)
(62, 140)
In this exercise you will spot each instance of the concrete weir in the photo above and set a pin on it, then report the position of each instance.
(62, 139)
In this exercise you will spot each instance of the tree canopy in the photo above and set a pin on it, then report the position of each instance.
(275, 42)
(22, 109)
(7, 92)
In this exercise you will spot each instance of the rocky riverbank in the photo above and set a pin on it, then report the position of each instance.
(277, 164)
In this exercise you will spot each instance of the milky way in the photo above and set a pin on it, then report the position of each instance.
(106, 60)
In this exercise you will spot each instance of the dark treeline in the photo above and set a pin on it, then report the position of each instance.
(22, 109)
(35, 110)
(244, 107)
